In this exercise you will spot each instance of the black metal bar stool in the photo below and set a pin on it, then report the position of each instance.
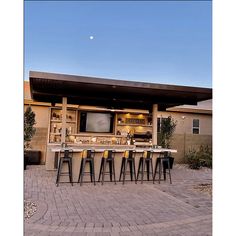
(108, 157)
(65, 156)
(163, 161)
(128, 158)
(145, 161)
(87, 156)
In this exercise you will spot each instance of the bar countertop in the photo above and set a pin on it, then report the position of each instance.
(116, 149)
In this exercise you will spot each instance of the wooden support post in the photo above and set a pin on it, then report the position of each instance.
(154, 124)
(63, 130)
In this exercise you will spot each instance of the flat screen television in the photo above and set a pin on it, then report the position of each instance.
(96, 122)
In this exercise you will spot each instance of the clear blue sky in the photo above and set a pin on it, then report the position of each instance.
(161, 42)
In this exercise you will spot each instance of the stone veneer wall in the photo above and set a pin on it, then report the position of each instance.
(191, 141)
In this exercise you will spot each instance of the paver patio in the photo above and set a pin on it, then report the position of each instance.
(130, 209)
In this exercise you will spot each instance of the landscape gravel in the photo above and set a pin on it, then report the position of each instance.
(29, 209)
(205, 187)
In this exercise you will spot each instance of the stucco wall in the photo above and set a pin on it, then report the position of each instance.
(185, 142)
(183, 138)
(185, 125)
(41, 115)
(39, 141)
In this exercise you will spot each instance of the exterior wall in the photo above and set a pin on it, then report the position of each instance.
(183, 143)
(39, 141)
(186, 125)
(41, 115)
(183, 139)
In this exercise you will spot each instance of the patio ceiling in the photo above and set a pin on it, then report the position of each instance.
(117, 94)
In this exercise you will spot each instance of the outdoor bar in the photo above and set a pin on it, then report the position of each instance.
(103, 114)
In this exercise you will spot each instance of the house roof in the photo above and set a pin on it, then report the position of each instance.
(83, 90)
(204, 107)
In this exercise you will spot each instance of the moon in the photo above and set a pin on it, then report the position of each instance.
(91, 37)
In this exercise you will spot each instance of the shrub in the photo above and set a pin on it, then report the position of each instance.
(199, 158)
(193, 159)
(205, 155)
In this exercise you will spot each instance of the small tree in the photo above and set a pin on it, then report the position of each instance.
(168, 126)
(29, 130)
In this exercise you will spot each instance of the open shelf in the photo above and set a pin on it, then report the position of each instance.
(97, 135)
(134, 125)
(59, 121)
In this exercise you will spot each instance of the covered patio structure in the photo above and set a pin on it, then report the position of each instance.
(112, 94)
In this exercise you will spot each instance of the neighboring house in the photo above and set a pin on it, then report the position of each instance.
(194, 125)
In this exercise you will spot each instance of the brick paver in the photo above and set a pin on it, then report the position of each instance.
(130, 209)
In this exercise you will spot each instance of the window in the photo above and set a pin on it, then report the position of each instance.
(196, 126)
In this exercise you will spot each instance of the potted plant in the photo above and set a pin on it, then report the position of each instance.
(29, 131)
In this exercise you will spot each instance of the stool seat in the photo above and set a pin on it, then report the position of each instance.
(87, 157)
(161, 161)
(108, 157)
(145, 162)
(65, 156)
(128, 158)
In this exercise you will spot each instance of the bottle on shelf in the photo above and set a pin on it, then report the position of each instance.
(54, 128)
(128, 138)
